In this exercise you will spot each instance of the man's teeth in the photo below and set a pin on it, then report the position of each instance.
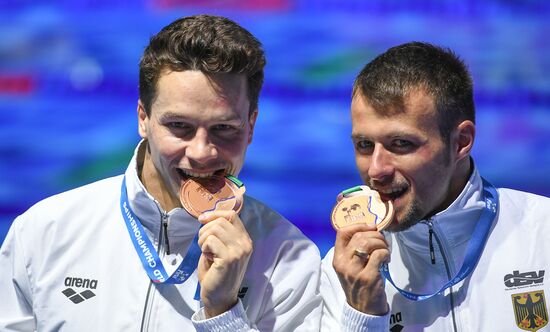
(197, 175)
(391, 191)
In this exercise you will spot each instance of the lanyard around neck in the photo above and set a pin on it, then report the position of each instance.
(473, 250)
(148, 254)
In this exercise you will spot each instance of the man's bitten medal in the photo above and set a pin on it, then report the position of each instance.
(218, 193)
(361, 205)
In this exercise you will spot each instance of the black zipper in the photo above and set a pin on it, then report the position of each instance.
(166, 242)
(432, 252)
(432, 255)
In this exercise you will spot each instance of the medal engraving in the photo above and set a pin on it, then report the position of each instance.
(362, 207)
(197, 198)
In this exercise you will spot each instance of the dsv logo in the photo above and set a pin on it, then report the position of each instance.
(523, 279)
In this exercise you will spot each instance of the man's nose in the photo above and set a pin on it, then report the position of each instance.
(381, 164)
(200, 149)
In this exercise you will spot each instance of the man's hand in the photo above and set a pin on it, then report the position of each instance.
(359, 272)
(226, 248)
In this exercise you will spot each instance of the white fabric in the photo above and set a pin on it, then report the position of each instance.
(481, 302)
(81, 235)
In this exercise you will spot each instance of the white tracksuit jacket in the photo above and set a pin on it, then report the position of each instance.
(507, 289)
(68, 264)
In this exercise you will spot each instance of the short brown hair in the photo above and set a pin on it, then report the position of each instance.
(387, 79)
(210, 44)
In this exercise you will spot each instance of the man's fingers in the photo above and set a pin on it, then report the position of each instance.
(363, 254)
(231, 235)
(212, 247)
(355, 257)
(206, 217)
(376, 259)
(365, 243)
(230, 216)
(345, 234)
(217, 225)
(358, 253)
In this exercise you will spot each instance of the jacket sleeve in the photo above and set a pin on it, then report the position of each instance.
(16, 313)
(338, 315)
(295, 303)
(232, 320)
(292, 304)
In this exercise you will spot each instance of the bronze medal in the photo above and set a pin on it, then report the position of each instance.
(362, 205)
(198, 196)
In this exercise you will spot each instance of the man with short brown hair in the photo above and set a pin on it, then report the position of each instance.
(162, 247)
(454, 238)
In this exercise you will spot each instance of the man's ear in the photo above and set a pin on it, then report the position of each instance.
(143, 120)
(464, 139)
(252, 122)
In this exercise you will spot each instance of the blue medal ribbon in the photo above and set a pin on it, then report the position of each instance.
(147, 252)
(473, 250)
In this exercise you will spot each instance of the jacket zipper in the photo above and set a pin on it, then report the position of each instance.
(432, 233)
(432, 252)
(163, 236)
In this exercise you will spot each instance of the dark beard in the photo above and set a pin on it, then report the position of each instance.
(413, 216)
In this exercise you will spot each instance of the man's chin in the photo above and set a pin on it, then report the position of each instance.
(396, 226)
(404, 220)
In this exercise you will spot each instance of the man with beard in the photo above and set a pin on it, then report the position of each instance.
(122, 254)
(458, 255)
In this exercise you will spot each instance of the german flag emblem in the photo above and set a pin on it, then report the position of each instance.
(530, 310)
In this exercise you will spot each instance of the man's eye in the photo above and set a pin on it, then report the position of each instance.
(363, 146)
(223, 129)
(401, 145)
(178, 125)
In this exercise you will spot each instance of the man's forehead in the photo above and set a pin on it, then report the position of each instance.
(417, 116)
(187, 91)
(415, 100)
(386, 129)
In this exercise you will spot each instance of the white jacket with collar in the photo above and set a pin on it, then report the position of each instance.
(510, 272)
(68, 264)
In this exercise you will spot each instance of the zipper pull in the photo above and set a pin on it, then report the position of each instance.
(166, 242)
(432, 252)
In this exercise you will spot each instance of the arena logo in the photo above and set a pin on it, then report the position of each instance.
(516, 279)
(74, 295)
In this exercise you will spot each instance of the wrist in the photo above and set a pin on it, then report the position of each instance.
(378, 309)
(216, 310)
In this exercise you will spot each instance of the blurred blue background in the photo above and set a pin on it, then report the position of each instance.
(69, 76)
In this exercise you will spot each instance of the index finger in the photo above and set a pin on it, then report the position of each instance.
(344, 234)
(229, 215)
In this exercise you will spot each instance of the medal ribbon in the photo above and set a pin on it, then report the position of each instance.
(147, 252)
(473, 250)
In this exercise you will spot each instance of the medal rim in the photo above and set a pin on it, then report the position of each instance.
(237, 191)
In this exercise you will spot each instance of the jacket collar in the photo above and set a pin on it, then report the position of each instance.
(454, 225)
(146, 207)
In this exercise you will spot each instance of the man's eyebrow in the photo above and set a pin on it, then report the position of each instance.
(170, 115)
(397, 134)
(356, 137)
